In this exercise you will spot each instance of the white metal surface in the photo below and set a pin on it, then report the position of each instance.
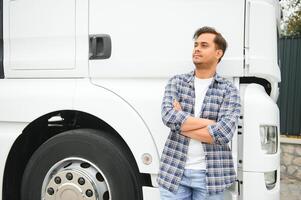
(39, 97)
(24, 100)
(145, 96)
(45, 38)
(154, 38)
(254, 187)
(261, 41)
(42, 36)
(150, 193)
(258, 109)
(119, 114)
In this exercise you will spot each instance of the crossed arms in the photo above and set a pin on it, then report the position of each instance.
(195, 128)
(204, 130)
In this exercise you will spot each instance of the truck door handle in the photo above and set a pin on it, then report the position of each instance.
(100, 46)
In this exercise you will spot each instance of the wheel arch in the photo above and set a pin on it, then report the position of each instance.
(52, 124)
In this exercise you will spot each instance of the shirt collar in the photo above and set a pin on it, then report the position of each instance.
(191, 74)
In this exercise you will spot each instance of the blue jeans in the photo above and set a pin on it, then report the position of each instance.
(192, 187)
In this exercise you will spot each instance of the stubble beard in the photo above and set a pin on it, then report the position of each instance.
(201, 65)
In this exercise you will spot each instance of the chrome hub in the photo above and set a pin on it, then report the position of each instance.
(75, 179)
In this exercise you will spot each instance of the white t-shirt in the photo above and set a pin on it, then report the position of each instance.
(195, 154)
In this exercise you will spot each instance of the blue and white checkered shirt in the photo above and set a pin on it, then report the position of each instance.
(221, 104)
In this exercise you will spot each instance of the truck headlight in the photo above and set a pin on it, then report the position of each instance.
(269, 139)
(270, 179)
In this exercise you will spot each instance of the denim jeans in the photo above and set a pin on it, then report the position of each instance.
(192, 187)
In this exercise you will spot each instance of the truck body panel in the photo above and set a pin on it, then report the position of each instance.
(48, 68)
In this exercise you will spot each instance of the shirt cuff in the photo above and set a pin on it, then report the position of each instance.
(211, 129)
(181, 117)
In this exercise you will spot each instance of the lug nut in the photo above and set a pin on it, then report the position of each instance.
(69, 176)
(50, 191)
(89, 193)
(57, 180)
(81, 181)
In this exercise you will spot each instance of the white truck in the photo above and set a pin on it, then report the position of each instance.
(82, 83)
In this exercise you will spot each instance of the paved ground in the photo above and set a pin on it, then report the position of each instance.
(290, 189)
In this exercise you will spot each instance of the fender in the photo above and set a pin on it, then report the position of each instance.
(24, 100)
(20, 106)
(116, 112)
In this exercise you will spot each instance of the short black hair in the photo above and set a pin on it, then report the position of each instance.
(219, 40)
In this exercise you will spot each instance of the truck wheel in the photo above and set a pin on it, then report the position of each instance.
(81, 164)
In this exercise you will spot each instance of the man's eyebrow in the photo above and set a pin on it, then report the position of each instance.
(200, 42)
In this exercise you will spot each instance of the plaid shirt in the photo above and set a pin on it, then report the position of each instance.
(222, 104)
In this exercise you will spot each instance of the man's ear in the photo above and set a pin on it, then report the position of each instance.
(219, 53)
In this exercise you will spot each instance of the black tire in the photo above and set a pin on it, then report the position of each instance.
(102, 149)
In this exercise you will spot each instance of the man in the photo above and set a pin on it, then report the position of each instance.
(201, 109)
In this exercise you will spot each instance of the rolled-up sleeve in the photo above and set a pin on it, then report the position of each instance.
(222, 131)
(170, 117)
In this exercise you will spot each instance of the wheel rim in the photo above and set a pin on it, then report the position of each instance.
(77, 179)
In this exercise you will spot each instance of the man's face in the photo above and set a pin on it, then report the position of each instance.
(205, 52)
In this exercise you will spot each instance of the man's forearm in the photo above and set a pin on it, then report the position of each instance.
(193, 123)
(201, 134)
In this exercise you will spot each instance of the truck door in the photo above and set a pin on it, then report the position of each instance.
(46, 38)
(154, 38)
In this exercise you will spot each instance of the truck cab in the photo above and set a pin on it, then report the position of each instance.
(82, 83)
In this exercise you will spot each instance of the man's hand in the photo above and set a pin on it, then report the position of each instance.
(192, 123)
(177, 105)
(194, 127)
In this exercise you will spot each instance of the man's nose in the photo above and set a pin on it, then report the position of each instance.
(197, 49)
